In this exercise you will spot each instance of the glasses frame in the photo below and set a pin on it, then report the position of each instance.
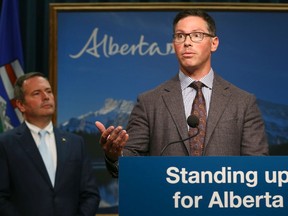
(204, 34)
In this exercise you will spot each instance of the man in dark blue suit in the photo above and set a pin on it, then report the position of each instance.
(26, 188)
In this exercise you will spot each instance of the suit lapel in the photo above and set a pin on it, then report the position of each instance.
(62, 148)
(219, 101)
(174, 103)
(29, 146)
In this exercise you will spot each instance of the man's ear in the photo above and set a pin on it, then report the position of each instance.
(214, 44)
(20, 105)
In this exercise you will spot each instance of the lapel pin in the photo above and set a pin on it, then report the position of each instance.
(63, 139)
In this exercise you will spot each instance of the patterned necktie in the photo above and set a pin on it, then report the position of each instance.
(199, 110)
(46, 155)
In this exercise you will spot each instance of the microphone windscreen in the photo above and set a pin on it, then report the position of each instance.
(193, 121)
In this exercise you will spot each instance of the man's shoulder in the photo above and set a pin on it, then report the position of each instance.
(166, 86)
(16, 130)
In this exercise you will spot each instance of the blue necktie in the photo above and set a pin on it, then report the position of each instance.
(46, 155)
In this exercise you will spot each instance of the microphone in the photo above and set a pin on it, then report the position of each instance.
(193, 122)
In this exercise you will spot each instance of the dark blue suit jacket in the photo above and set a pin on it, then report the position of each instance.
(25, 187)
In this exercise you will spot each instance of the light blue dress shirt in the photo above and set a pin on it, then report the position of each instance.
(189, 93)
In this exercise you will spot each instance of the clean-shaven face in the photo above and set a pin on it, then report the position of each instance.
(194, 57)
(38, 100)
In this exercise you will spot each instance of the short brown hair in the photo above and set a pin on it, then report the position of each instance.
(198, 13)
(18, 90)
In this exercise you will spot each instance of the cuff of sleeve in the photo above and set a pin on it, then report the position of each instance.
(112, 166)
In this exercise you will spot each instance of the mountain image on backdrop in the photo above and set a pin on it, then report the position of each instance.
(116, 112)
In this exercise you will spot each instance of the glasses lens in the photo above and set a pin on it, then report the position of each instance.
(179, 37)
(196, 36)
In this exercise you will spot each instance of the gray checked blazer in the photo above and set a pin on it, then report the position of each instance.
(234, 125)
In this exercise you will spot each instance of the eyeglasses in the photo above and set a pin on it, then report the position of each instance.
(194, 36)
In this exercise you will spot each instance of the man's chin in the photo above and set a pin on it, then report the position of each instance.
(48, 112)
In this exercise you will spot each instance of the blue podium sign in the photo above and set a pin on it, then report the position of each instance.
(199, 186)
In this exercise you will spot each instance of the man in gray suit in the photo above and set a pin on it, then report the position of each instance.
(234, 124)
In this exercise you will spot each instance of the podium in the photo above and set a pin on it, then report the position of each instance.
(201, 186)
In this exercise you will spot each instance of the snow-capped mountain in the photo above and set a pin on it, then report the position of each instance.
(116, 112)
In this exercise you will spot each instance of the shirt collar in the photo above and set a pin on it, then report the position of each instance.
(206, 80)
(35, 129)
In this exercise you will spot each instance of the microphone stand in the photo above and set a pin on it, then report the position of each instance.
(166, 146)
